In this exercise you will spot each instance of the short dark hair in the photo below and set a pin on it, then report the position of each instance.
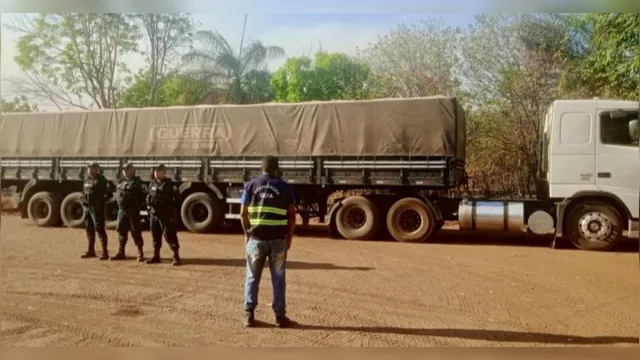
(94, 165)
(127, 166)
(270, 165)
(161, 167)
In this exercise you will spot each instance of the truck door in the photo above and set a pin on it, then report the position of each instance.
(572, 160)
(617, 162)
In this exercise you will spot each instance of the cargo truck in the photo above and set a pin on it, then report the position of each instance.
(404, 153)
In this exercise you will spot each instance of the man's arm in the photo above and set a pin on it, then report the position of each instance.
(291, 212)
(244, 213)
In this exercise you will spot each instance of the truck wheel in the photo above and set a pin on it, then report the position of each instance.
(43, 210)
(201, 213)
(111, 214)
(72, 211)
(411, 220)
(357, 218)
(594, 225)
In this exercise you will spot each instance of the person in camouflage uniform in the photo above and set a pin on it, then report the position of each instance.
(96, 192)
(130, 197)
(161, 201)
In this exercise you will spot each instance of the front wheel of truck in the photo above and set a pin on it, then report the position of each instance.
(594, 225)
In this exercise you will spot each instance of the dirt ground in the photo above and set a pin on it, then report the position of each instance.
(453, 292)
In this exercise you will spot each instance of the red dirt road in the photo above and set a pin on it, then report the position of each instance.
(342, 293)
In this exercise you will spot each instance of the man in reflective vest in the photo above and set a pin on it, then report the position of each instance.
(268, 218)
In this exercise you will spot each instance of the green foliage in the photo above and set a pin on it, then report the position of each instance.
(176, 89)
(329, 76)
(240, 72)
(80, 52)
(609, 65)
(165, 36)
(414, 60)
(19, 104)
(512, 66)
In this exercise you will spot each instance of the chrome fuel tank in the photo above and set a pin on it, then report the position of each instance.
(492, 216)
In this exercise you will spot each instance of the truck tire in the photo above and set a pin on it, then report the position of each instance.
(43, 210)
(357, 218)
(439, 225)
(595, 226)
(411, 220)
(72, 211)
(202, 213)
(111, 214)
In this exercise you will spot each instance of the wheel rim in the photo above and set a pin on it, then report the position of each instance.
(356, 218)
(595, 226)
(408, 221)
(41, 209)
(198, 213)
(74, 211)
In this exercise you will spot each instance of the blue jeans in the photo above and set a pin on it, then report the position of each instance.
(257, 252)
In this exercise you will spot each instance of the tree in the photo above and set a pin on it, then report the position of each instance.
(79, 55)
(176, 89)
(329, 76)
(220, 64)
(414, 60)
(512, 65)
(19, 104)
(165, 35)
(609, 64)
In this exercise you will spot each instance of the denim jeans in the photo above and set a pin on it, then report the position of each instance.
(257, 252)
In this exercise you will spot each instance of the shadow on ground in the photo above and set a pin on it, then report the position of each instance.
(474, 334)
(457, 237)
(297, 265)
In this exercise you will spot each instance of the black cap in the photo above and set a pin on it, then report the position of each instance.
(94, 165)
(161, 167)
(127, 166)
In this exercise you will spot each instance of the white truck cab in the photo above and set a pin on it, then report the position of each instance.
(590, 161)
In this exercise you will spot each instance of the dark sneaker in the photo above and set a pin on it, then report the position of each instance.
(249, 319)
(104, 256)
(88, 255)
(282, 321)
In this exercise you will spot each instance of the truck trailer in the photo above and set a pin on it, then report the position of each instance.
(401, 155)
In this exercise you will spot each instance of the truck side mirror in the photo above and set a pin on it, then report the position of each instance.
(633, 130)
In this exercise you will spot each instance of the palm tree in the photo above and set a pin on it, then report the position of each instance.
(219, 63)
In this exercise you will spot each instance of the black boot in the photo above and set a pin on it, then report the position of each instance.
(120, 255)
(156, 257)
(91, 250)
(140, 254)
(105, 251)
(176, 258)
(91, 253)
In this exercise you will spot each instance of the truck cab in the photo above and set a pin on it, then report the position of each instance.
(589, 163)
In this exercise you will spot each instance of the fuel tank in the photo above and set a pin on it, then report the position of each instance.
(491, 216)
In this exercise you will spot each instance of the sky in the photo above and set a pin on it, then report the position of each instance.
(298, 34)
